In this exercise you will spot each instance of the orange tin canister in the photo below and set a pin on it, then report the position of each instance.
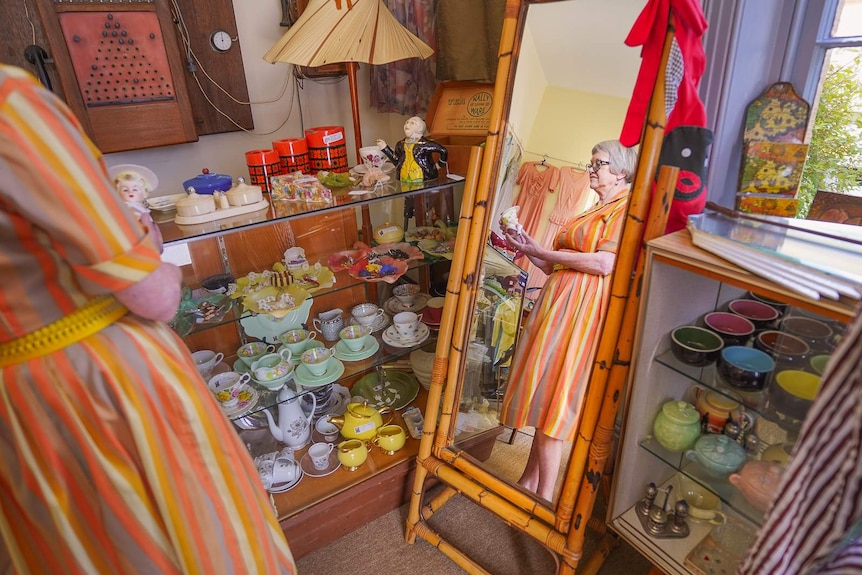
(262, 164)
(293, 155)
(327, 148)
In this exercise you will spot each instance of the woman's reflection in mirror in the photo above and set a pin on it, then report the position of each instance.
(552, 363)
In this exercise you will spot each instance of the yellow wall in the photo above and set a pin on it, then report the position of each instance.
(569, 123)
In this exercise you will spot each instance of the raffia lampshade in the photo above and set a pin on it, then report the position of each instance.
(333, 31)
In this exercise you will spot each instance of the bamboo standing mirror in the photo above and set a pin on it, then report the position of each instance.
(552, 124)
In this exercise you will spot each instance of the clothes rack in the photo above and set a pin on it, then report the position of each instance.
(546, 157)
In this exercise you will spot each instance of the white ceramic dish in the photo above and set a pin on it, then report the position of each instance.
(394, 339)
(309, 469)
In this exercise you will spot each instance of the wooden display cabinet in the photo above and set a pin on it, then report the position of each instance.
(681, 284)
(317, 509)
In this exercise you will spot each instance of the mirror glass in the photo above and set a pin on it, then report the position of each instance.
(573, 80)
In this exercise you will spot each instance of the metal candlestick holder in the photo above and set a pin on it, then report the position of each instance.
(656, 520)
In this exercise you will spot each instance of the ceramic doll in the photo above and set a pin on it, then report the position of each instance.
(413, 156)
(134, 189)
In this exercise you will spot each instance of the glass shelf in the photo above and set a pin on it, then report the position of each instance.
(708, 378)
(728, 494)
(385, 358)
(291, 209)
(343, 282)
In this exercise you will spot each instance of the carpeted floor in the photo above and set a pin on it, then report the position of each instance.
(379, 548)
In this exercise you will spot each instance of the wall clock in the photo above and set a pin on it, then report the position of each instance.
(221, 41)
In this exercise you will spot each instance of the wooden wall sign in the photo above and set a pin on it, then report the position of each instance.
(120, 67)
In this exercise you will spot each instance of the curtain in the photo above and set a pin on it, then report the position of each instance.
(406, 86)
(468, 36)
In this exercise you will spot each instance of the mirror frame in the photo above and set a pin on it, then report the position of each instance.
(553, 526)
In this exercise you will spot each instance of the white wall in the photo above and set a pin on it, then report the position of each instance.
(324, 103)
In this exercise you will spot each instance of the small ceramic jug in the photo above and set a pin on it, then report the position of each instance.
(329, 323)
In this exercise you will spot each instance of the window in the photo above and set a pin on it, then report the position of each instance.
(835, 154)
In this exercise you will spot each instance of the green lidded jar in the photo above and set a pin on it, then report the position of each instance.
(677, 426)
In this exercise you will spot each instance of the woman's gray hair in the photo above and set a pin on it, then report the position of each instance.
(622, 160)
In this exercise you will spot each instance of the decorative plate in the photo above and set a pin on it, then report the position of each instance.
(248, 397)
(315, 278)
(361, 169)
(379, 269)
(164, 203)
(274, 301)
(435, 249)
(346, 259)
(208, 309)
(396, 390)
(393, 339)
(398, 251)
(425, 233)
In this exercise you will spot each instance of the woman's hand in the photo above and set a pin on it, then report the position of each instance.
(157, 296)
(523, 243)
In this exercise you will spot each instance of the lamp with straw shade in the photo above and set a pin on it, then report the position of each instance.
(347, 31)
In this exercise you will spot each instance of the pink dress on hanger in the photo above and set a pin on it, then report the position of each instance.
(573, 192)
(535, 181)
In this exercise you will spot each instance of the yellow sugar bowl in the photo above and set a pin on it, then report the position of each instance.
(390, 438)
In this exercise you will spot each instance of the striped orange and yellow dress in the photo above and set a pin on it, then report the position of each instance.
(552, 363)
(116, 458)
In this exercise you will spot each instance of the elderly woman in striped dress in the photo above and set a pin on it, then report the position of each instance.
(552, 363)
(116, 458)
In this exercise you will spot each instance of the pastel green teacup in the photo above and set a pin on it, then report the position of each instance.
(354, 336)
(296, 340)
(253, 350)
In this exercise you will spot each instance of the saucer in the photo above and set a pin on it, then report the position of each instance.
(307, 379)
(393, 338)
(239, 366)
(379, 323)
(243, 407)
(287, 485)
(344, 353)
(308, 467)
(312, 343)
(394, 306)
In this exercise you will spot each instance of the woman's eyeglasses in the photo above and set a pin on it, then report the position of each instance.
(596, 165)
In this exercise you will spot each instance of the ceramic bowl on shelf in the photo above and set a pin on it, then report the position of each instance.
(792, 392)
(818, 363)
(732, 328)
(694, 345)
(744, 368)
(816, 333)
(780, 307)
(762, 315)
(782, 346)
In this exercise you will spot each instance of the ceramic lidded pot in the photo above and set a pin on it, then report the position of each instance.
(207, 183)
(758, 482)
(242, 194)
(715, 409)
(677, 426)
(719, 455)
(195, 204)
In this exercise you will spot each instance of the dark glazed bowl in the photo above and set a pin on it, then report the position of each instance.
(760, 314)
(694, 345)
(816, 333)
(782, 346)
(733, 329)
(217, 283)
(781, 307)
(744, 368)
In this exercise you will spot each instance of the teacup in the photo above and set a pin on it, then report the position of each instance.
(206, 360)
(354, 336)
(253, 350)
(372, 156)
(272, 366)
(319, 454)
(316, 359)
(296, 340)
(406, 293)
(226, 386)
(327, 429)
(406, 323)
(284, 470)
(352, 453)
(390, 438)
(366, 313)
(433, 311)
